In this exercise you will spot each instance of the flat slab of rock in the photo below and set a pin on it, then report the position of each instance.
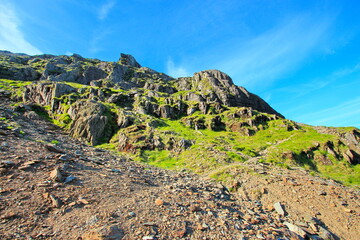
(279, 209)
(296, 229)
(104, 233)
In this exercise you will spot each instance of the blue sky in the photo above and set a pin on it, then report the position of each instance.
(303, 57)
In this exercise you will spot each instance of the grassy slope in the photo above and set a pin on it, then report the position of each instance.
(217, 153)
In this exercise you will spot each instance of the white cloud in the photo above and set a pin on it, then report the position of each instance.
(175, 71)
(344, 114)
(269, 56)
(11, 37)
(105, 9)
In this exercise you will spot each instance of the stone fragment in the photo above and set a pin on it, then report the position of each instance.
(313, 227)
(56, 175)
(150, 237)
(8, 215)
(55, 201)
(3, 132)
(202, 227)
(180, 233)
(28, 164)
(92, 220)
(69, 179)
(149, 224)
(104, 233)
(159, 202)
(296, 229)
(325, 234)
(194, 208)
(322, 193)
(53, 148)
(83, 201)
(348, 210)
(78, 153)
(7, 164)
(279, 209)
(65, 157)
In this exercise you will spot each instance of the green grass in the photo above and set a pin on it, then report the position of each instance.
(214, 150)
(342, 172)
(163, 159)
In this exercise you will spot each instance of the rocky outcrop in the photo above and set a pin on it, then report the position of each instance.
(216, 86)
(90, 122)
(128, 60)
(143, 137)
(40, 93)
(137, 92)
(93, 73)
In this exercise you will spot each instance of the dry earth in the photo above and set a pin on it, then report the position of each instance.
(73, 191)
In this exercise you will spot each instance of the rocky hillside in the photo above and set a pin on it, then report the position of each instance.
(202, 124)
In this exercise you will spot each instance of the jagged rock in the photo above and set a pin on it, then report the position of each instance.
(352, 157)
(51, 69)
(93, 73)
(216, 124)
(32, 115)
(125, 119)
(89, 121)
(167, 111)
(128, 60)
(118, 74)
(96, 83)
(56, 202)
(112, 232)
(182, 144)
(78, 57)
(40, 93)
(279, 209)
(53, 148)
(56, 175)
(62, 89)
(121, 99)
(159, 88)
(325, 234)
(218, 85)
(26, 74)
(191, 96)
(296, 229)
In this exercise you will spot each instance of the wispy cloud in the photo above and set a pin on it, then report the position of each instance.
(320, 83)
(11, 37)
(315, 84)
(269, 56)
(105, 9)
(175, 71)
(344, 114)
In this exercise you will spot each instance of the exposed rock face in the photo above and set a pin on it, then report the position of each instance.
(39, 93)
(89, 121)
(141, 137)
(93, 73)
(128, 60)
(216, 86)
(26, 74)
(142, 92)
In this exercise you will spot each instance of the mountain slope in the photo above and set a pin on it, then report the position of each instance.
(167, 121)
(203, 124)
(55, 187)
